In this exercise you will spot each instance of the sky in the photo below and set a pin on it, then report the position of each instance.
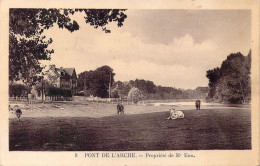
(169, 47)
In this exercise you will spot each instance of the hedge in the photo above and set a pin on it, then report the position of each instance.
(17, 90)
(53, 91)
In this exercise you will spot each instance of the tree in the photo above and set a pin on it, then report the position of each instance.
(213, 76)
(231, 82)
(135, 95)
(151, 88)
(145, 86)
(122, 88)
(96, 82)
(27, 45)
(17, 90)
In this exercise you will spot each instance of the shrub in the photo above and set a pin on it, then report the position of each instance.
(135, 95)
(17, 90)
(53, 91)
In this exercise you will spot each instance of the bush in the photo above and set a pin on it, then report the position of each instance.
(53, 91)
(135, 95)
(17, 90)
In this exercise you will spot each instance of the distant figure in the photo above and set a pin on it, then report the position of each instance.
(197, 103)
(16, 110)
(120, 109)
(30, 98)
(18, 113)
(10, 108)
(175, 114)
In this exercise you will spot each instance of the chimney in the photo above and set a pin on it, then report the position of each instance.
(61, 70)
(52, 67)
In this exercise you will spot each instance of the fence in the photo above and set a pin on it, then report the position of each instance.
(80, 98)
(106, 100)
(47, 98)
(18, 98)
(58, 98)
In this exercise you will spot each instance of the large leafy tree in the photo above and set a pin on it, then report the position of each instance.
(96, 82)
(145, 86)
(28, 45)
(122, 88)
(231, 82)
(213, 76)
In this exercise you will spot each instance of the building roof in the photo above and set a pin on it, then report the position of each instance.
(69, 71)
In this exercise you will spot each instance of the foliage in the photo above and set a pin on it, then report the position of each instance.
(24, 56)
(51, 90)
(134, 95)
(54, 91)
(27, 45)
(114, 94)
(231, 82)
(121, 88)
(17, 90)
(96, 82)
(152, 91)
(44, 84)
(96, 86)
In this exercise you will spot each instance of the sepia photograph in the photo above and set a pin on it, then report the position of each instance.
(129, 80)
(124, 84)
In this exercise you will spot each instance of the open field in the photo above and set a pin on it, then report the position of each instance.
(97, 110)
(96, 127)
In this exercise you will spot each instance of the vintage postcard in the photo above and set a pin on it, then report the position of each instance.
(129, 83)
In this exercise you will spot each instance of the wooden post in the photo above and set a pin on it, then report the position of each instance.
(84, 91)
(109, 85)
(42, 91)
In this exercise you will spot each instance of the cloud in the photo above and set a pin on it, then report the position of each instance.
(182, 51)
(172, 75)
(181, 63)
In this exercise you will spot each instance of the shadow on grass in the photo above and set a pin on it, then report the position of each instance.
(199, 130)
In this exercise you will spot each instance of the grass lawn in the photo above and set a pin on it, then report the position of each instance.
(216, 128)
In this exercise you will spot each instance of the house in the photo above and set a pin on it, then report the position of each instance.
(64, 78)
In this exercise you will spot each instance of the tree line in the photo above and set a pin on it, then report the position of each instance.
(157, 92)
(230, 83)
(97, 83)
